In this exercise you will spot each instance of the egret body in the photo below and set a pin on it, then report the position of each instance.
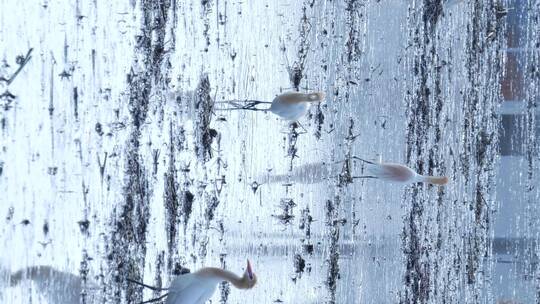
(290, 106)
(399, 173)
(198, 287)
(293, 105)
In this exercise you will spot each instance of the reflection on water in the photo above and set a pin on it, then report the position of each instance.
(305, 285)
(310, 173)
(51, 284)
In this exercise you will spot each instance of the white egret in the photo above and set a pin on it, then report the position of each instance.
(398, 173)
(199, 286)
(289, 106)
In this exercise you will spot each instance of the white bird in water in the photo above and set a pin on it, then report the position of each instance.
(289, 106)
(198, 287)
(398, 173)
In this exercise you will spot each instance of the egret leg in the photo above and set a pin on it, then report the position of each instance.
(240, 108)
(245, 101)
(147, 286)
(366, 161)
(354, 157)
(155, 299)
(365, 176)
(244, 104)
(304, 129)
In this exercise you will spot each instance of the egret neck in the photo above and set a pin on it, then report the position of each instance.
(223, 275)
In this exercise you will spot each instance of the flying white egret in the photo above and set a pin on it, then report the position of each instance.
(199, 286)
(289, 106)
(398, 173)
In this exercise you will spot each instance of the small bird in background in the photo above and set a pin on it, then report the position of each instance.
(56, 286)
(290, 106)
(199, 286)
(398, 173)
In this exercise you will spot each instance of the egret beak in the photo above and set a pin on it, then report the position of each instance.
(249, 270)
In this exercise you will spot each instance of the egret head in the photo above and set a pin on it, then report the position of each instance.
(438, 180)
(249, 278)
(316, 96)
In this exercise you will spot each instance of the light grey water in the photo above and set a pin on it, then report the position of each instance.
(116, 163)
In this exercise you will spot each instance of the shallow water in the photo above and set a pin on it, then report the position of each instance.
(118, 161)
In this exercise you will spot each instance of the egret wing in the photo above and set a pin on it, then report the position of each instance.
(391, 172)
(208, 292)
(291, 98)
(187, 296)
(377, 170)
(187, 289)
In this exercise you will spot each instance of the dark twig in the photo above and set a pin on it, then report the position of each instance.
(102, 165)
(21, 66)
